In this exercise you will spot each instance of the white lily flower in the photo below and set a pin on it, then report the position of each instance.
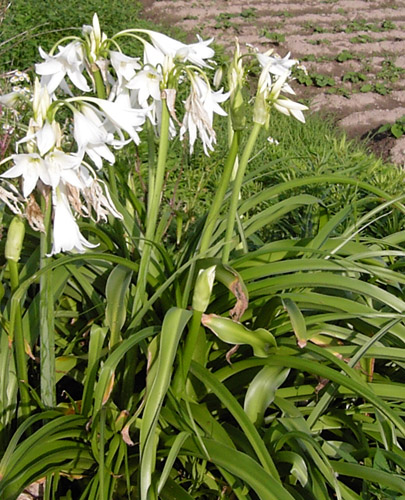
(10, 99)
(269, 92)
(290, 108)
(121, 116)
(195, 53)
(63, 167)
(147, 82)
(91, 136)
(278, 66)
(48, 136)
(66, 234)
(69, 61)
(201, 105)
(125, 66)
(31, 167)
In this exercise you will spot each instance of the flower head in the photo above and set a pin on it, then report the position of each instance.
(68, 61)
(66, 233)
(201, 105)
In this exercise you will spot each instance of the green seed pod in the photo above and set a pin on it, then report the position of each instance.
(203, 288)
(15, 239)
(232, 332)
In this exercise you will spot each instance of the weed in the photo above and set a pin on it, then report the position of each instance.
(273, 36)
(354, 77)
(345, 55)
(396, 129)
(320, 41)
(390, 72)
(363, 38)
(378, 88)
(315, 28)
(223, 20)
(249, 12)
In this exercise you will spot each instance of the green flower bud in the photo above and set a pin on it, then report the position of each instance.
(232, 332)
(260, 109)
(203, 288)
(15, 239)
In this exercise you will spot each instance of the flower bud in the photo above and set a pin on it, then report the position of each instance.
(203, 288)
(260, 110)
(232, 332)
(15, 238)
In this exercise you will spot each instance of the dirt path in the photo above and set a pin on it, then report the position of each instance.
(354, 51)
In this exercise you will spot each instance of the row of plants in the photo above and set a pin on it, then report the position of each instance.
(170, 335)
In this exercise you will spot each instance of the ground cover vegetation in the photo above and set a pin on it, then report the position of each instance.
(190, 308)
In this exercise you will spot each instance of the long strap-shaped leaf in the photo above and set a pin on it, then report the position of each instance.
(250, 431)
(173, 325)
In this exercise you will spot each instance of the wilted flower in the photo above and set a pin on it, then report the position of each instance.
(201, 105)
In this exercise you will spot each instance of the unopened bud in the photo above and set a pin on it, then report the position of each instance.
(203, 288)
(232, 332)
(15, 239)
(260, 110)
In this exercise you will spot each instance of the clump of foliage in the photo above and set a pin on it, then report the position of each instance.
(257, 352)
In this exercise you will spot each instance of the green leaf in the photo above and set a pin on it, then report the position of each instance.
(116, 290)
(261, 391)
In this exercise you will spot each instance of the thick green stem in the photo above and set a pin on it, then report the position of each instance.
(19, 345)
(219, 195)
(153, 209)
(236, 187)
(98, 79)
(47, 333)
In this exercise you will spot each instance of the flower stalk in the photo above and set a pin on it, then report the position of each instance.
(47, 333)
(236, 187)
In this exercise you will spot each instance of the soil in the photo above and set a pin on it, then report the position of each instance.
(353, 50)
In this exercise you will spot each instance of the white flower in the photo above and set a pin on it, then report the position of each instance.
(31, 167)
(269, 92)
(10, 99)
(195, 53)
(201, 105)
(276, 65)
(121, 116)
(91, 136)
(66, 234)
(147, 82)
(62, 166)
(69, 61)
(48, 136)
(125, 66)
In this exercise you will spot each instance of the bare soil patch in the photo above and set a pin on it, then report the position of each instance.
(354, 52)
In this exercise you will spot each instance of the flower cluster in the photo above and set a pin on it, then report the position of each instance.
(109, 96)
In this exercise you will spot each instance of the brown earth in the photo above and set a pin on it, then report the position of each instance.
(372, 32)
